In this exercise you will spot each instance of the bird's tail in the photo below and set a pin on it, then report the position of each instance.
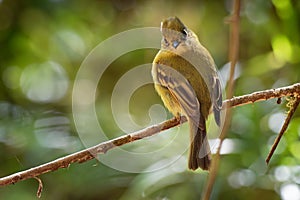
(199, 150)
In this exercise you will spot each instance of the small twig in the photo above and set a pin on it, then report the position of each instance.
(88, 154)
(291, 112)
(40, 188)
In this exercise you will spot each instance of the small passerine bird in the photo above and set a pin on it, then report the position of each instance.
(186, 79)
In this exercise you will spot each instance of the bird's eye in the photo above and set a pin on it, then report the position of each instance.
(184, 32)
(166, 41)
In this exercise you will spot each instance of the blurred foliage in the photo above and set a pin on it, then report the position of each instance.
(44, 42)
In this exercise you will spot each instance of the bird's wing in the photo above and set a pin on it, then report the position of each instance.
(181, 89)
(216, 98)
(207, 68)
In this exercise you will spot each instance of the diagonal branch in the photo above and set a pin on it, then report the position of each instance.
(90, 153)
(294, 104)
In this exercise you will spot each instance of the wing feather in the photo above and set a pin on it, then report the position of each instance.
(181, 89)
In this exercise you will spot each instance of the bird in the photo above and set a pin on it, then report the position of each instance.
(185, 77)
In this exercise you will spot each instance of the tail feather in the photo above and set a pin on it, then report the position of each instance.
(199, 150)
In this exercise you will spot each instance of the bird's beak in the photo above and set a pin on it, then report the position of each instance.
(175, 44)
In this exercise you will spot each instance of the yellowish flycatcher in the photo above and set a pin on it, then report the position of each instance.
(185, 77)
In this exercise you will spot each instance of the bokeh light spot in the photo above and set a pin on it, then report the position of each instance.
(45, 82)
(282, 48)
(241, 178)
(71, 43)
(282, 173)
(276, 121)
(290, 192)
(256, 12)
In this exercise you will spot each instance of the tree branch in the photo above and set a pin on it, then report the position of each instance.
(90, 153)
(233, 57)
(294, 104)
(292, 90)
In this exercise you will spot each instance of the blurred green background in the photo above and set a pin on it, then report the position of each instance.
(42, 45)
